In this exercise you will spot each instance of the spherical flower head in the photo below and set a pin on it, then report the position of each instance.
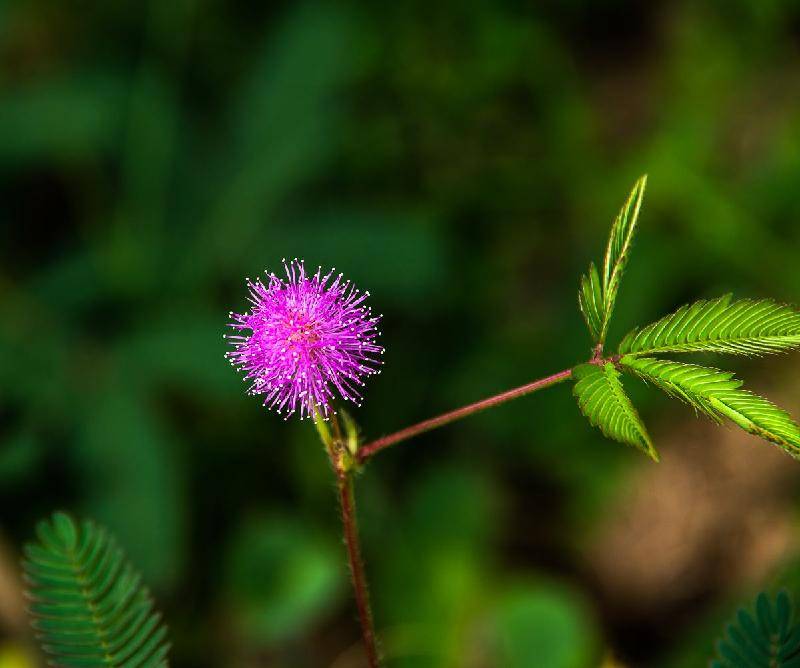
(305, 339)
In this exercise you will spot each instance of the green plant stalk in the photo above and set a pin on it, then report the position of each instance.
(366, 451)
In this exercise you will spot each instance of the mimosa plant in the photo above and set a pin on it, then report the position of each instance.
(309, 340)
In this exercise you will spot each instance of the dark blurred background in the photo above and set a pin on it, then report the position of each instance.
(463, 162)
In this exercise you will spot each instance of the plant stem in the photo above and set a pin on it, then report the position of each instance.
(366, 451)
(344, 478)
(360, 589)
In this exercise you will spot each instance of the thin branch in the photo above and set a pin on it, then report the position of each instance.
(366, 451)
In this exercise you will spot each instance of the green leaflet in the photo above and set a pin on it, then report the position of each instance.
(717, 394)
(766, 637)
(619, 244)
(745, 327)
(597, 295)
(87, 602)
(590, 300)
(689, 382)
(603, 401)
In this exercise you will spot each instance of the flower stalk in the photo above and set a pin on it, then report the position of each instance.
(356, 562)
(341, 445)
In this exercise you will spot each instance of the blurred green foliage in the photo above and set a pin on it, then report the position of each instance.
(462, 161)
(764, 635)
(281, 578)
(87, 603)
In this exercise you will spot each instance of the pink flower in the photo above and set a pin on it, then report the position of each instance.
(310, 337)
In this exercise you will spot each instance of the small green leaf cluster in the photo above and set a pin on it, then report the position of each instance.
(769, 637)
(88, 605)
(597, 295)
(745, 327)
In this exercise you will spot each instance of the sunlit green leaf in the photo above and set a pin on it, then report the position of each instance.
(746, 327)
(598, 293)
(603, 401)
(718, 395)
(590, 299)
(619, 246)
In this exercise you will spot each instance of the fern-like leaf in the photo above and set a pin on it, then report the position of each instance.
(590, 300)
(767, 637)
(603, 401)
(619, 245)
(598, 294)
(718, 395)
(88, 605)
(745, 327)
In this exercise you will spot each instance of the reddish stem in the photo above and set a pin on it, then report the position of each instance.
(366, 451)
(360, 589)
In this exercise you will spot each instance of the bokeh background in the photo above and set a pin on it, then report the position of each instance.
(463, 162)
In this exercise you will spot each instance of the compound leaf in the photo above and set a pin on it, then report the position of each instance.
(603, 401)
(87, 603)
(766, 636)
(598, 294)
(744, 327)
(718, 395)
